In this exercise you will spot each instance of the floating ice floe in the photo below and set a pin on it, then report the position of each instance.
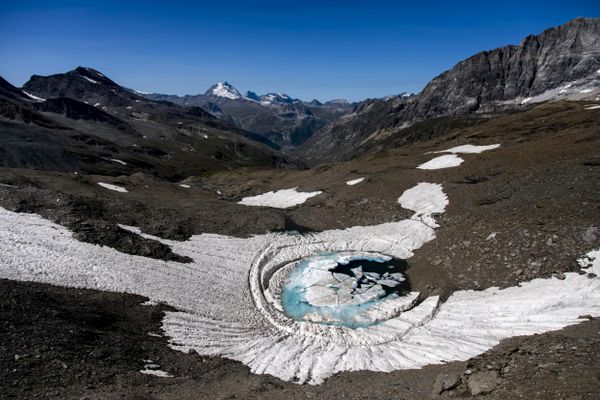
(354, 181)
(110, 186)
(447, 161)
(593, 107)
(469, 149)
(230, 299)
(283, 198)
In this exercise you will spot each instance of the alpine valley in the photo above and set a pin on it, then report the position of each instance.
(443, 244)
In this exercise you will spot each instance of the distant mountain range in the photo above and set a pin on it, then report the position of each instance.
(82, 121)
(280, 118)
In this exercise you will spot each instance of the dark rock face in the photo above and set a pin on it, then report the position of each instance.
(77, 110)
(489, 81)
(83, 84)
(540, 63)
(344, 136)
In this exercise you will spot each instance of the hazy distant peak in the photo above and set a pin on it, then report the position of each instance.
(224, 89)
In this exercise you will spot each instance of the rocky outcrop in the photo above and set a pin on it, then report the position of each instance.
(493, 80)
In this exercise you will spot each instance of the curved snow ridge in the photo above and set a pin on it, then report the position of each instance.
(447, 161)
(469, 149)
(224, 311)
(284, 198)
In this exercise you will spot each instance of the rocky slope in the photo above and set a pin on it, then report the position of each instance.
(278, 117)
(560, 63)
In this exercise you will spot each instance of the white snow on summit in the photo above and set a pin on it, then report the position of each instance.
(223, 89)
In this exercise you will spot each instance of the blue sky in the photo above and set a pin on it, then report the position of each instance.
(308, 49)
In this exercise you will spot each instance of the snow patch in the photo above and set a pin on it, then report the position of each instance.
(586, 91)
(526, 100)
(183, 185)
(117, 161)
(354, 181)
(156, 372)
(112, 187)
(283, 198)
(469, 149)
(225, 90)
(426, 200)
(592, 107)
(447, 161)
(33, 97)
(90, 80)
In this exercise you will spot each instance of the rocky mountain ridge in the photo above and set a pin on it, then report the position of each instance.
(81, 121)
(280, 118)
(561, 63)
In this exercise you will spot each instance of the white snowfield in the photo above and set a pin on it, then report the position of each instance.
(354, 181)
(469, 149)
(224, 310)
(447, 161)
(283, 198)
(110, 186)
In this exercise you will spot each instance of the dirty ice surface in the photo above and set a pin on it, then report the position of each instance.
(228, 305)
(110, 186)
(447, 161)
(469, 149)
(283, 198)
(354, 181)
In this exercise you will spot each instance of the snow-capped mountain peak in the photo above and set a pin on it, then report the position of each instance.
(224, 89)
(276, 98)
